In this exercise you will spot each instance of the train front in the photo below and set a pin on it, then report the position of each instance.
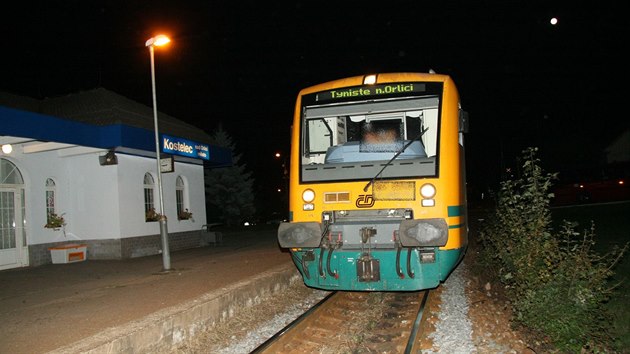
(377, 199)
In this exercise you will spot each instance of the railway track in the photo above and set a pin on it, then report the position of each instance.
(354, 322)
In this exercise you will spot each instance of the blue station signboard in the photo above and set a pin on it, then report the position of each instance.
(183, 147)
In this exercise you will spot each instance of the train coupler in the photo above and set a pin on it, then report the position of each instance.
(368, 269)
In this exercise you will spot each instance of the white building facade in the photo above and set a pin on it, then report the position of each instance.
(94, 165)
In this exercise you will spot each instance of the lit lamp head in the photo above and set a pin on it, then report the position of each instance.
(157, 41)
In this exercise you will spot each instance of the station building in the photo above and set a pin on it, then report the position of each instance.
(89, 158)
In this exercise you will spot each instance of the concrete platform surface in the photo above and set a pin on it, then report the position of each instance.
(132, 306)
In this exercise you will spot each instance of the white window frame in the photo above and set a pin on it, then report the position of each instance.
(51, 198)
(149, 195)
(181, 197)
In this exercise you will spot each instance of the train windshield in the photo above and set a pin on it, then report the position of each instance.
(355, 140)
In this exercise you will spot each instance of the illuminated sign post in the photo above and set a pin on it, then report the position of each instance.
(182, 147)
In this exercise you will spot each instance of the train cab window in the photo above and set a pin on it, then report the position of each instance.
(319, 135)
(354, 140)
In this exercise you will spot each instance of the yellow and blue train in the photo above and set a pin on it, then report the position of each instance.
(377, 198)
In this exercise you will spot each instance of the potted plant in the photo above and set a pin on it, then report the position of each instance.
(55, 221)
(151, 215)
(184, 215)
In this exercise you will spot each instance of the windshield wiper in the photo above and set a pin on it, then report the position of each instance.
(402, 149)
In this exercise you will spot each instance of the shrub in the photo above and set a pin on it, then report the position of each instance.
(557, 282)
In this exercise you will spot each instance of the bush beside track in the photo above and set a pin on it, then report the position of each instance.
(558, 284)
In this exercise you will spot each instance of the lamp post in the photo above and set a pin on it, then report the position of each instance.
(166, 257)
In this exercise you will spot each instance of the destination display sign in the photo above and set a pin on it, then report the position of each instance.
(183, 147)
(392, 89)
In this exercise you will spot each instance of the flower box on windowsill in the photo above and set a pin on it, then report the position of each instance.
(55, 221)
(69, 253)
(185, 215)
(151, 215)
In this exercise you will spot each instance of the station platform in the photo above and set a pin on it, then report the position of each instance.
(132, 305)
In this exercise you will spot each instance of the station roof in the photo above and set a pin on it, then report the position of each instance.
(97, 118)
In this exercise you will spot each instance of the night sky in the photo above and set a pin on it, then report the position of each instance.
(241, 64)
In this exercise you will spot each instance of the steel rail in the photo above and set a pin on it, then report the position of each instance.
(416, 324)
(294, 330)
(261, 348)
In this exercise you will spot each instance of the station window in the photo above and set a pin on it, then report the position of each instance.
(149, 201)
(50, 199)
(181, 196)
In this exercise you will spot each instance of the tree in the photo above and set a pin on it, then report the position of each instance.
(229, 190)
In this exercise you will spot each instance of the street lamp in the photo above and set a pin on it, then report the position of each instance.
(166, 257)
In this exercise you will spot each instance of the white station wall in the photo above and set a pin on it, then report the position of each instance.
(131, 171)
(103, 202)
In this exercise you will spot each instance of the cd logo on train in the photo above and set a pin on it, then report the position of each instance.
(365, 201)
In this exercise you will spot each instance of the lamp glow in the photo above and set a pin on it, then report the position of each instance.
(157, 41)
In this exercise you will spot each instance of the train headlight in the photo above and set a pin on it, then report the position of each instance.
(428, 202)
(308, 196)
(427, 191)
(369, 80)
